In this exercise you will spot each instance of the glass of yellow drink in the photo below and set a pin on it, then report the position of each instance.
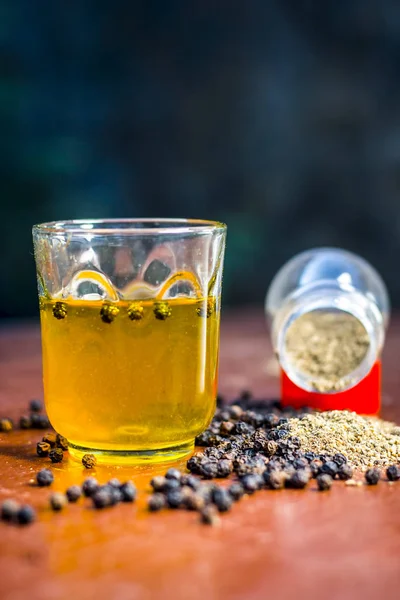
(130, 333)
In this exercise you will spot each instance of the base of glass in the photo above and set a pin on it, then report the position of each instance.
(133, 457)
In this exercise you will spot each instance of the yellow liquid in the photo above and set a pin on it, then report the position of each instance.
(130, 387)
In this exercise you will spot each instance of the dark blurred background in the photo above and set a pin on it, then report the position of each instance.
(281, 118)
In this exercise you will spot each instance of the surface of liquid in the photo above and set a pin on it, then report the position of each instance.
(130, 385)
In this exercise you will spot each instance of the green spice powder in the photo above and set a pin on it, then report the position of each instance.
(365, 441)
(327, 346)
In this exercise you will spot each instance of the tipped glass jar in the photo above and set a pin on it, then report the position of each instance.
(328, 310)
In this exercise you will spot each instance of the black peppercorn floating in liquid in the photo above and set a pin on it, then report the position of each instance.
(162, 310)
(108, 313)
(60, 310)
(135, 311)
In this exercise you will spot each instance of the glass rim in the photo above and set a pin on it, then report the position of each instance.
(129, 226)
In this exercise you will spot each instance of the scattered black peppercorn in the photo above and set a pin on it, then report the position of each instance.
(175, 499)
(157, 502)
(158, 483)
(309, 456)
(222, 500)
(45, 477)
(345, 472)
(194, 502)
(226, 428)
(393, 473)
(324, 482)
(58, 501)
(116, 495)
(275, 479)
(101, 498)
(372, 476)
(191, 481)
(60, 310)
(9, 510)
(298, 480)
(6, 425)
(209, 469)
(115, 483)
(339, 459)
(224, 468)
(74, 492)
(171, 485)
(25, 422)
(26, 515)
(35, 405)
(300, 463)
(89, 486)
(162, 310)
(56, 455)
(135, 311)
(89, 461)
(43, 449)
(39, 421)
(315, 466)
(236, 490)
(209, 516)
(128, 491)
(173, 474)
(271, 448)
(61, 442)
(330, 468)
(251, 483)
(108, 313)
(50, 438)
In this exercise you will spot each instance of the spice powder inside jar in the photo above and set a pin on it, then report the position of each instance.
(326, 347)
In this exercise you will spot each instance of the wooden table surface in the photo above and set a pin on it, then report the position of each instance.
(341, 545)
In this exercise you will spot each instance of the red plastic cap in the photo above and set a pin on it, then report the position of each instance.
(364, 398)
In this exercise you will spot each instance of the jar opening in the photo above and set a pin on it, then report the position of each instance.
(327, 350)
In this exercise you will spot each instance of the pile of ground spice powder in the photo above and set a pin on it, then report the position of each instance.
(326, 346)
(365, 441)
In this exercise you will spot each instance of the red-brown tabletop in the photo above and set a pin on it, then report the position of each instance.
(341, 545)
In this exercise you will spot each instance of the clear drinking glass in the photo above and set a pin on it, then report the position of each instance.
(130, 333)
